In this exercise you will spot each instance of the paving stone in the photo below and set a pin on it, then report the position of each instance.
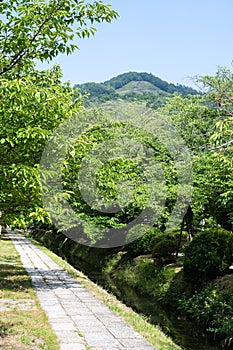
(103, 347)
(57, 326)
(65, 346)
(136, 344)
(85, 320)
(66, 298)
(87, 328)
(56, 315)
(107, 320)
(100, 339)
(51, 304)
(124, 332)
(100, 310)
(68, 337)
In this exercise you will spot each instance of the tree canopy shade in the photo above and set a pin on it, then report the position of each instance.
(42, 29)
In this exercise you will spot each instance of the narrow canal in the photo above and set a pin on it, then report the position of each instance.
(184, 333)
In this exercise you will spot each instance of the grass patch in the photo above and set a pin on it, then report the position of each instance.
(139, 322)
(21, 329)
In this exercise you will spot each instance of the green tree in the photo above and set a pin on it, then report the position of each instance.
(43, 29)
(204, 122)
(33, 103)
(31, 108)
(218, 91)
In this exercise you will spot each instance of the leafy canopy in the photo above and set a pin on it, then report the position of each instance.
(205, 123)
(34, 103)
(31, 108)
(42, 29)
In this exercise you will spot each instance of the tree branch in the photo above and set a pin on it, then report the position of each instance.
(24, 50)
(221, 146)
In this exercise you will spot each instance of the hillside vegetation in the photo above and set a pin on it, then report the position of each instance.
(133, 86)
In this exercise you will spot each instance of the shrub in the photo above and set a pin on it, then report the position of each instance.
(164, 250)
(144, 244)
(208, 255)
(212, 308)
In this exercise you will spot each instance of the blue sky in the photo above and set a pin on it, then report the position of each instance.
(174, 40)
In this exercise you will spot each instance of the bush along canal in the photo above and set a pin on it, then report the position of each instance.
(160, 293)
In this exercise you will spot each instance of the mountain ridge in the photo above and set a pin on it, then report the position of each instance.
(124, 78)
(133, 86)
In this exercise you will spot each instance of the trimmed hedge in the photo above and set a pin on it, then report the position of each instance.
(144, 244)
(164, 250)
(208, 255)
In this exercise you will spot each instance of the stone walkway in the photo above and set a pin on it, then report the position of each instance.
(79, 320)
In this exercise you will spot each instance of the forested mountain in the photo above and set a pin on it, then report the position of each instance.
(123, 79)
(133, 86)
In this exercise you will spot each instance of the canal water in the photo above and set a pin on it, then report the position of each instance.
(183, 332)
